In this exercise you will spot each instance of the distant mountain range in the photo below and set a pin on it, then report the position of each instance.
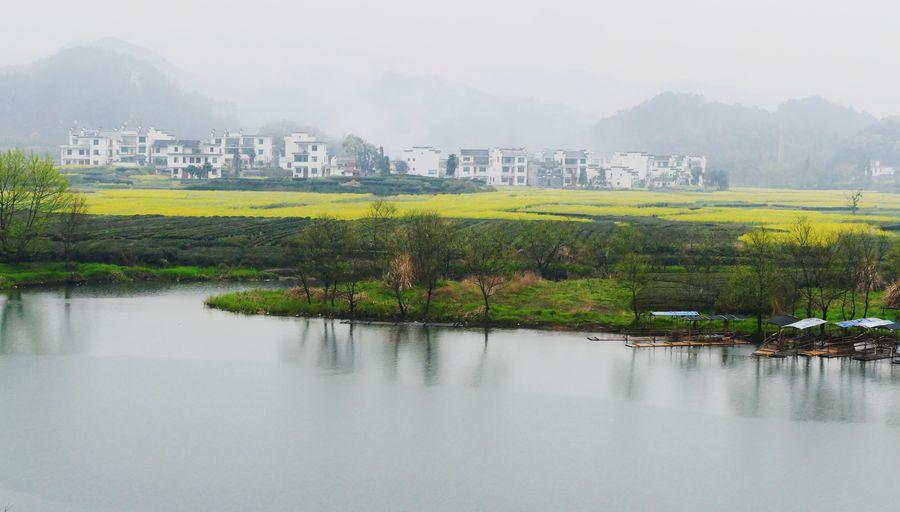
(106, 83)
(95, 86)
(809, 141)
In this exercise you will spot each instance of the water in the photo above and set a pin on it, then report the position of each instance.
(139, 398)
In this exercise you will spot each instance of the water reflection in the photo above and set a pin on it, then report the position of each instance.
(171, 323)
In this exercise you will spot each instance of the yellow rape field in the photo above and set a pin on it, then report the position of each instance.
(775, 208)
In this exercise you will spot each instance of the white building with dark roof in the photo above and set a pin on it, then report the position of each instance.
(574, 165)
(508, 166)
(254, 150)
(305, 156)
(189, 159)
(122, 146)
(474, 163)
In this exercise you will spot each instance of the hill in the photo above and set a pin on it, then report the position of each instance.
(803, 142)
(96, 86)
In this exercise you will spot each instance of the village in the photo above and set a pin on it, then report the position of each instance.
(304, 155)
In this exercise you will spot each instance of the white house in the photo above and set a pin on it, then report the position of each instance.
(508, 166)
(473, 163)
(655, 170)
(638, 161)
(123, 146)
(423, 161)
(620, 177)
(253, 149)
(876, 170)
(573, 164)
(181, 157)
(305, 156)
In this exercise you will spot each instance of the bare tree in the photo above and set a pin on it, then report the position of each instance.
(398, 278)
(426, 237)
(853, 200)
(543, 242)
(70, 224)
(634, 272)
(487, 256)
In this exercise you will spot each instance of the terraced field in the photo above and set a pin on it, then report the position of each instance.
(775, 208)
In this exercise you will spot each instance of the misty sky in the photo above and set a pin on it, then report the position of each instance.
(760, 50)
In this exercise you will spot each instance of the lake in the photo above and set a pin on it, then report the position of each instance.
(137, 397)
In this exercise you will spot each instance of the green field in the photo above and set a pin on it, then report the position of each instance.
(775, 208)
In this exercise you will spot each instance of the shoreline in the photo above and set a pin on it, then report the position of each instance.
(456, 309)
(48, 274)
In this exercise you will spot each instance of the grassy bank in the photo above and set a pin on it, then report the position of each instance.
(575, 304)
(41, 273)
(578, 304)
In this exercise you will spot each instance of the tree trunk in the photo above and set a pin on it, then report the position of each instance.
(305, 287)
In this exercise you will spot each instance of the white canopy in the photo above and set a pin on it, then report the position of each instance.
(806, 323)
(871, 323)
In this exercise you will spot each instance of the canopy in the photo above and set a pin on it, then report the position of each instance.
(894, 326)
(782, 321)
(722, 317)
(806, 323)
(675, 313)
(871, 323)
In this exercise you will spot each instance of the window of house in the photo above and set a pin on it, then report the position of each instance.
(68, 151)
(258, 151)
(97, 152)
(315, 147)
(96, 142)
(142, 139)
(259, 141)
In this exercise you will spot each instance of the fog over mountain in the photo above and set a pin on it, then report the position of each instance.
(109, 82)
(98, 86)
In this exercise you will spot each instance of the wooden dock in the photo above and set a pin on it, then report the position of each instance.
(871, 357)
(769, 352)
(726, 342)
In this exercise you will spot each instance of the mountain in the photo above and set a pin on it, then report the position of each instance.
(802, 142)
(97, 86)
(400, 110)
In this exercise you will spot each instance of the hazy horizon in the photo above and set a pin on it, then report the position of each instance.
(597, 59)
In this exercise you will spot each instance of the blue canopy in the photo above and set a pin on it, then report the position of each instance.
(867, 323)
(675, 313)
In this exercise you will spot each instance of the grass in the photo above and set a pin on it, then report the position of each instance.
(45, 273)
(575, 304)
(580, 304)
(769, 207)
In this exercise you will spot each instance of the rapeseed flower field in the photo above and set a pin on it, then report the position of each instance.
(761, 207)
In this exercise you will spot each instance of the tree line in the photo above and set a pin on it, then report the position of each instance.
(764, 273)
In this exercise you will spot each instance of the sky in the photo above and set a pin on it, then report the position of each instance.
(760, 51)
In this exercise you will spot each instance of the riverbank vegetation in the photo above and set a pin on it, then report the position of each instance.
(420, 266)
(57, 273)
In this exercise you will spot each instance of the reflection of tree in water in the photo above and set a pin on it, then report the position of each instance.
(481, 363)
(22, 330)
(334, 355)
